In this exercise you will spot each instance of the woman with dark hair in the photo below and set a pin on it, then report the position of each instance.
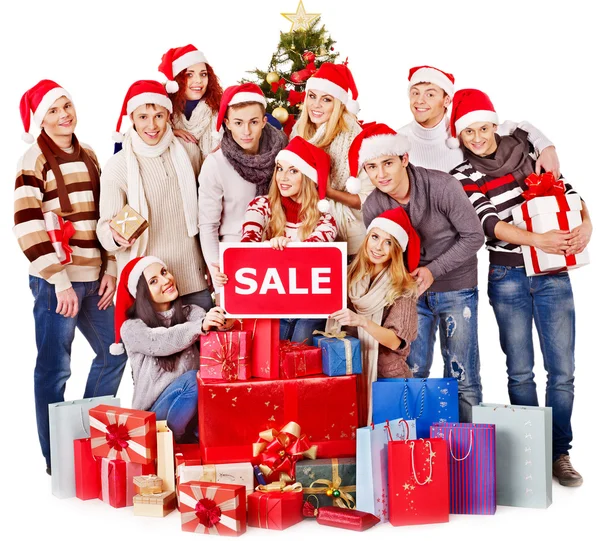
(196, 94)
(160, 335)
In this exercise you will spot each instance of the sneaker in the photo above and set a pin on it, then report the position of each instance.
(563, 470)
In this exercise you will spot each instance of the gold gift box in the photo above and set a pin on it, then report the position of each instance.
(128, 223)
(148, 484)
(154, 505)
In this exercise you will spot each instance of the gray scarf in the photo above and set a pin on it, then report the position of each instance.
(255, 168)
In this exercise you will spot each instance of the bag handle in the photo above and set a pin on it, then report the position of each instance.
(389, 432)
(405, 399)
(470, 446)
(428, 479)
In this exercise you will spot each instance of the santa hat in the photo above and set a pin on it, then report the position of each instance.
(396, 223)
(174, 61)
(126, 291)
(337, 80)
(142, 93)
(429, 74)
(37, 100)
(373, 141)
(468, 107)
(246, 92)
(312, 162)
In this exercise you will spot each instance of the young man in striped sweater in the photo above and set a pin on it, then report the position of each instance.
(61, 176)
(493, 177)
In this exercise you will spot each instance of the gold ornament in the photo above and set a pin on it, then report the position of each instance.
(272, 77)
(322, 51)
(281, 114)
(301, 20)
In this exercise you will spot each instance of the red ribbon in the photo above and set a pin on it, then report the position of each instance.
(117, 437)
(208, 512)
(543, 185)
(295, 97)
(276, 86)
(63, 235)
(311, 68)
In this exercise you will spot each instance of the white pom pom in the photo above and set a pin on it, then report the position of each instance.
(323, 206)
(28, 138)
(452, 142)
(171, 87)
(218, 135)
(353, 185)
(353, 107)
(117, 349)
(117, 137)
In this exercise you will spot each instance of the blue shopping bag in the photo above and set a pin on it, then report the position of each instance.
(427, 401)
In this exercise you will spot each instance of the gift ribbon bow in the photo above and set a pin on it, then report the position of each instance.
(276, 86)
(118, 437)
(279, 486)
(62, 236)
(297, 349)
(228, 355)
(123, 222)
(207, 511)
(295, 97)
(333, 485)
(340, 335)
(543, 185)
(280, 450)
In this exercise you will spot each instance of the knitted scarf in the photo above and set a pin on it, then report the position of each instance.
(134, 146)
(255, 168)
(201, 124)
(511, 157)
(50, 150)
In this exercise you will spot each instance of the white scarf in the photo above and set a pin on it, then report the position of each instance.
(201, 124)
(134, 146)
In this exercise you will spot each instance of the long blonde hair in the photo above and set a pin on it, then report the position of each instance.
(336, 124)
(403, 284)
(309, 213)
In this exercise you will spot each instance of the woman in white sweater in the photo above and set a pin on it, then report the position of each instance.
(328, 121)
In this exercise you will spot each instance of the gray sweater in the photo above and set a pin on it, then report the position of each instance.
(446, 222)
(144, 344)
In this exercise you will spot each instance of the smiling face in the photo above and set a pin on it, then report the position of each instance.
(150, 122)
(162, 286)
(246, 124)
(196, 81)
(388, 173)
(320, 106)
(428, 104)
(480, 138)
(379, 247)
(289, 179)
(60, 120)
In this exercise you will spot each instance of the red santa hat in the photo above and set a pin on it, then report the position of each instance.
(373, 141)
(337, 80)
(126, 291)
(36, 101)
(142, 93)
(397, 224)
(174, 61)
(429, 74)
(468, 107)
(246, 92)
(312, 162)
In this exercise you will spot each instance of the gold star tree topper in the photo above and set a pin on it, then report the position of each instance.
(301, 20)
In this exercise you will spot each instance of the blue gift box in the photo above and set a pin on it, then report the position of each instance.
(341, 356)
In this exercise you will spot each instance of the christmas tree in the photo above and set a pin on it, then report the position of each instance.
(299, 53)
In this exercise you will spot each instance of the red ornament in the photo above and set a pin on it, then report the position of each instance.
(298, 77)
(308, 56)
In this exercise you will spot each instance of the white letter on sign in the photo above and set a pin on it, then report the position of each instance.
(245, 280)
(293, 288)
(318, 279)
(272, 281)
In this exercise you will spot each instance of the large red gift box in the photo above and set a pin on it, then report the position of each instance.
(265, 346)
(275, 510)
(297, 360)
(212, 508)
(418, 482)
(231, 415)
(87, 474)
(116, 480)
(122, 433)
(226, 355)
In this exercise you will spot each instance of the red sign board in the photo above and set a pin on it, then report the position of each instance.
(304, 280)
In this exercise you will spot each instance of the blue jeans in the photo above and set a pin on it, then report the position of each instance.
(455, 312)
(298, 330)
(519, 301)
(54, 335)
(178, 404)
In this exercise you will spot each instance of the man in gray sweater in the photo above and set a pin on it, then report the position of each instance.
(450, 235)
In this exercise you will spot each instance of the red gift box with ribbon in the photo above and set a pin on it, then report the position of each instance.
(276, 506)
(212, 508)
(126, 434)
(232, 415)
(116, 480)
(60, 232)
(226, 355)
(297, 360)
(265, 346)
(547, 207)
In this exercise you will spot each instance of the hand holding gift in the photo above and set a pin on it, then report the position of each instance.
(127, 226)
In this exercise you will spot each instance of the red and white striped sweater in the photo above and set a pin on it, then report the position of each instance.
(258, 215)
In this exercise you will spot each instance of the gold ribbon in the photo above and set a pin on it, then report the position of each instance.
(344, 499)
(340, 335)
(279, 486)
(209, 473)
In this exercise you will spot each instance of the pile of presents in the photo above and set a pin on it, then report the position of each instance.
(280, 440)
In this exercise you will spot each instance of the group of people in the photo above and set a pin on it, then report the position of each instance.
(204, 166)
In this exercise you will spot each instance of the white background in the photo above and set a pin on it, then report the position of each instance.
(537, 60)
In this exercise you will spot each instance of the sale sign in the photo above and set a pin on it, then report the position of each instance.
(304, 280)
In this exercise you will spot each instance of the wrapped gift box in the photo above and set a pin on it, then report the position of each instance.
(116, 481)
(341, 517)
(265, 346)
(213, 508)
(231, 415)
(240, 473)
(60, 232)
(226, 355)
(122, 433)
(154, 505)
(128, 223)
(543, 214)
(148, 484)
(298, 360)
(275, 510)
(87, 475)
(331, 481)
(341, 356)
